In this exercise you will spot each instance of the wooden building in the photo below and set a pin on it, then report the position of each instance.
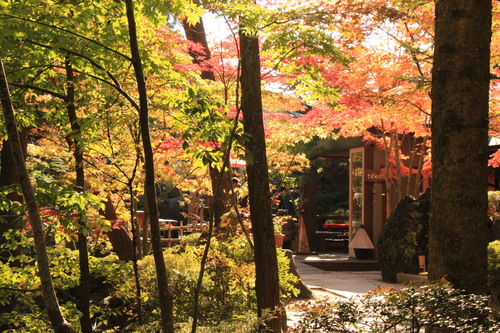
(365, 193)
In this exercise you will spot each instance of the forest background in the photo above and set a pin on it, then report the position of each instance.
(110, 98)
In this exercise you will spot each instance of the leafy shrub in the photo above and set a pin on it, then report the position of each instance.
(113, 293)
(494, 276)
(287, 280)
(247, 323)
(22, 305)
(432, 306)
(493, 204)
(227, 293)
(228, 286)
(494, 262)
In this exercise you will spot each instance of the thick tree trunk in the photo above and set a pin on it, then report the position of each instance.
(266, 266)
(59, 324)
(75, 138)
(165, 296)
(122, 243)
(460, 84)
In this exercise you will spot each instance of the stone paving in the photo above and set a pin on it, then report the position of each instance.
(342, 283)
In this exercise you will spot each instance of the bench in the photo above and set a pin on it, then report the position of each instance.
(336, 233)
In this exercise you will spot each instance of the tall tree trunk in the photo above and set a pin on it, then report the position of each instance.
(165, 296)
(11, 219)
(145, 226)
(8, 176)
(266, 265)
(460, 85)
(135, 246)
(196, 33)
(75, 138)
(221, 194)
(59, 324)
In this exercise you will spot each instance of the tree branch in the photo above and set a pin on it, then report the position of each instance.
(20, 290)
(40, 89)
(116, 84)
(4, 16)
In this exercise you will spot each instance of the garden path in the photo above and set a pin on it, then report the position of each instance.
(331, 285)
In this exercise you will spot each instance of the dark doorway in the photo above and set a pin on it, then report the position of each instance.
(333, 186)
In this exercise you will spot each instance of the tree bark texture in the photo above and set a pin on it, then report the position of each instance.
(136, 252)
(460, 85)
(59, 324)
(118, 236)
(309, 211)
(221, 193)
(196, 33)
(75, 139)
(165, 296)
(266, 266)
(122, 243)
(8, 176)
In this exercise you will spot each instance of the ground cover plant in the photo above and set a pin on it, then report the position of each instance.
(412, 309)
(228, 289)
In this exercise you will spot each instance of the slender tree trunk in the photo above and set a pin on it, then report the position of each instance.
(397, 163)
(165, 296)
(75, 138)
(145, 226)
(221, 194)
(460, 85)
(387, 175)
(135, 247)
(266, 266)
(220, 179)
(59, 324)
(8, 176)
(196, 33)
(413, 154)
(418, 176)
